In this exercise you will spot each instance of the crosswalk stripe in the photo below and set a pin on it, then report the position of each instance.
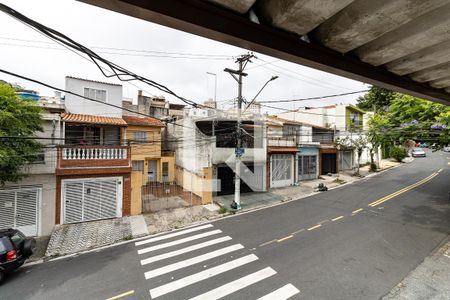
(191, 261)
(171, 235)
(177, 242)
(184, 250)
(236, 285)
(194, 278)
(282, 293)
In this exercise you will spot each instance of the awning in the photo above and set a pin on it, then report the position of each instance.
(91, 119)
(282, 149)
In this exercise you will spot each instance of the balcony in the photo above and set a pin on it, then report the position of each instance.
(281, 142)
(92, 157)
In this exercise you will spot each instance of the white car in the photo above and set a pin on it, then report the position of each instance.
(417, 152)
(446, 149)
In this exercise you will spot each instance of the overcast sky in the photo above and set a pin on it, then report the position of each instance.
(185, 74)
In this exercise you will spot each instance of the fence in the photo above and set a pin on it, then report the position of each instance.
(158, 196)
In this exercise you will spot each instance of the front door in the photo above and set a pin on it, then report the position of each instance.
(152, 175)
(19, 209)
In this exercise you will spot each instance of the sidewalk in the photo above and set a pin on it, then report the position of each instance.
(73, 238)
(430, 280)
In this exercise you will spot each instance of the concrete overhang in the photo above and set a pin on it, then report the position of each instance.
(402, 45)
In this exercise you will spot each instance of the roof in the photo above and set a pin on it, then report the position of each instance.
(392, 44)
(286, 121)
(91, 119)
(142, 121)
(102, 82)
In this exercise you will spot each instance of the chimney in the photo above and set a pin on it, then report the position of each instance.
(140, 93)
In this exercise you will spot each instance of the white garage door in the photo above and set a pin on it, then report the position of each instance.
(281, 170)
(19, 209)
(91, 199)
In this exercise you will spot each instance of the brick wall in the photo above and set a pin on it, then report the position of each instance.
(126, 191)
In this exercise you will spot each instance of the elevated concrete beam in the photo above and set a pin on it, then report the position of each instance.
(422, 59)
(363, 21)
(298, 16)
(432, 73)
(441, 83)
(424, 31)
(240, 6)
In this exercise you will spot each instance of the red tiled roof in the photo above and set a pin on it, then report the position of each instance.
(90, 119)
(142, 121)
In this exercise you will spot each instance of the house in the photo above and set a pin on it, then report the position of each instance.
(206, 150)
(29, 204)
(348, 122)
(93, 170)
(149, 165)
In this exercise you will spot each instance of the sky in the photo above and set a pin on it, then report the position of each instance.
(170, 57)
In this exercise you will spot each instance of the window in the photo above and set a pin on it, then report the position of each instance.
(138, 165)
(140, 137)
(95, 94)
(40, 158)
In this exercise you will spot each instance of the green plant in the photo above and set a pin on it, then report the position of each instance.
(373, 167)
(222, 210)
(398, 153)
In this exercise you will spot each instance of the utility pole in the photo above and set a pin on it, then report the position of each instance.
(237, 75)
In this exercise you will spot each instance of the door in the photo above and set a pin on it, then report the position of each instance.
(19, 209)
(281, 170)
(307, 167)
(91, 199)
(346, 160)
(328, 163)
(152, 175)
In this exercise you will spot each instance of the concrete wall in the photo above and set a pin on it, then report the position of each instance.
(78, 105)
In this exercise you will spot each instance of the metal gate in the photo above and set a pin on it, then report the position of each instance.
(307, 167)
(281, 170)
(91, 199)
(346, 160)
(19, 209)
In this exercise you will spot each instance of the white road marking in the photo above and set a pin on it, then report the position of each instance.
(184, 250)
(236, 285)
(170, 235)
(203, 275)
(282, 293)
(177, 242)
(191, 261)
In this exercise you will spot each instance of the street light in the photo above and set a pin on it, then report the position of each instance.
(254, 98)
(215, 84)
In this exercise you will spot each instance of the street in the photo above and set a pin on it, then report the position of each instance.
(354, 242)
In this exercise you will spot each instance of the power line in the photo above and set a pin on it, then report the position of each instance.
(118, 71)
(129, 50)
(125, 54)
(314, 98)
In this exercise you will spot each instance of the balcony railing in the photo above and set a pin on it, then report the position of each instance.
(94, 152)
(282, 142)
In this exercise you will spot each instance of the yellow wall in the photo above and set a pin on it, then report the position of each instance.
(149, 150)
(171, 161)
(136, 201)
(200, 184)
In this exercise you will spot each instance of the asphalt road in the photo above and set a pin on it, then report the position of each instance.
(354, 242)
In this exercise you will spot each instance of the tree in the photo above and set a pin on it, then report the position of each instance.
(399, 153)
(358, 143)
(377, 99)
(19, 120)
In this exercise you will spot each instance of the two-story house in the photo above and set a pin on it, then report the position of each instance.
(94, 164)
(29, 204)
(207, 148)
(345, 119)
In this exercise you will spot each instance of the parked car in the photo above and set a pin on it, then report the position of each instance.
(446, 149)
(15, 249)
(418, 153)
(423, 145)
